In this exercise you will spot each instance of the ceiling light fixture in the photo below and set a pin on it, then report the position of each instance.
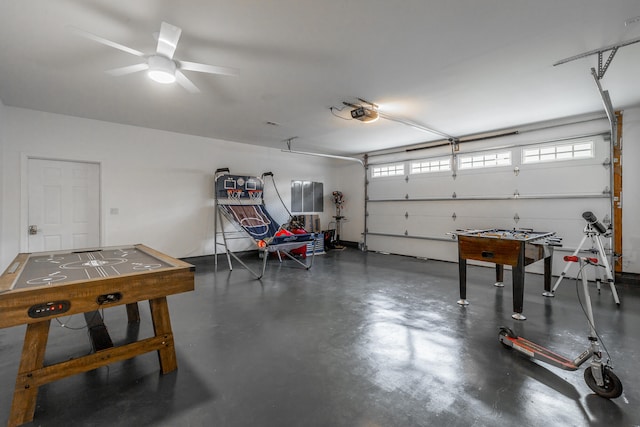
(161, 69)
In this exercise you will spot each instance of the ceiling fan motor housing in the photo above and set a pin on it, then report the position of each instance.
(162, 69)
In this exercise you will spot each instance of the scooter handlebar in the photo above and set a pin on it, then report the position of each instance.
(588, 260)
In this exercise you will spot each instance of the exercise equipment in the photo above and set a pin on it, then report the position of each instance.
(239, 199)
(595, 231)
(598, 375)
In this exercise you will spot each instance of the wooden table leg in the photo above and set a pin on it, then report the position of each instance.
(162, 327)
(26, 392)
(133, 313)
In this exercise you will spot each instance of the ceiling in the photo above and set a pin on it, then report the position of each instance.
(461, 67)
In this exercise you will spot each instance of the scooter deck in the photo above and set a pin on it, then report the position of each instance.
(536, 351)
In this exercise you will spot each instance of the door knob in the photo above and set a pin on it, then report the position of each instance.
(33, 229)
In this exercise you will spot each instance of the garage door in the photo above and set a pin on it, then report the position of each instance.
(416, 200)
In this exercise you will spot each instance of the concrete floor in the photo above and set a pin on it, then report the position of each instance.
(361, 339)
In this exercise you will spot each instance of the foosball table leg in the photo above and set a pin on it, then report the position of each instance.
(499, 276)
(462, 270)
(547, 275)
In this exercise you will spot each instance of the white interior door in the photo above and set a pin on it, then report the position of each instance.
(63, 205)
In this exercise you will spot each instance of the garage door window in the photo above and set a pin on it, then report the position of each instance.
(431, 165)
(485, 160)
(552, 153)
(387, 170)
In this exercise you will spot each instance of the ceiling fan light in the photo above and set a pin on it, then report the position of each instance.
(161, 69)
(161, 76)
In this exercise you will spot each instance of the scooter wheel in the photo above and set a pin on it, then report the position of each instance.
(612, 387)
(507, 332)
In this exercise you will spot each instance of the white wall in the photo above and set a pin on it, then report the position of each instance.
(631, 191)
(2, 144)
(160, 182)
(351, 178)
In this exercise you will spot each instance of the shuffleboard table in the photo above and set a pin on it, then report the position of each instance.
(39, 287)
(517, 248)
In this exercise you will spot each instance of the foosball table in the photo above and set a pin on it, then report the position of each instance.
(517, 248)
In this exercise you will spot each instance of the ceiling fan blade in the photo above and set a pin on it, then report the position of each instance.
(168, 39)
(185, 82)
(106, 42)
(117, 72)
(204, 68)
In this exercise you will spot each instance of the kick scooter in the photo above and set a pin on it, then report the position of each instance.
(598, 375)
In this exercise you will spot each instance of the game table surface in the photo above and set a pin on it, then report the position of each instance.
(57, 268)
(134, 272)
(525, 235)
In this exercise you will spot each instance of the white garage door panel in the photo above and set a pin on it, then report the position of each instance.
(469, 214)
(387, 188)
(438, 224)
(488, 182)
(560, 209)
(565, 179)
(430, 185)
(562, 216)
(424, 226)
(388, 224)
(435, 218)
(437, 208)
(446, 251)
(388, 208)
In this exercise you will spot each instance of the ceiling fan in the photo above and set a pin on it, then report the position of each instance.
(161, 66)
